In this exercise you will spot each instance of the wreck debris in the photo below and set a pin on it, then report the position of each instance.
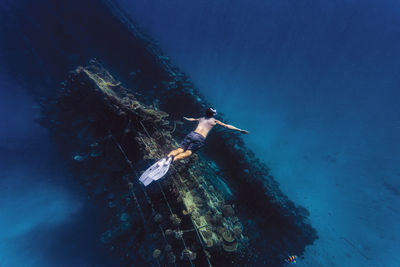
(168, 248)
(158, 218)
(237, 231)
(175, 219)
(209, 243)
(188, 255)
(178, 234)
(227, 235)
(228, 211)
(171, 257)
(156, 253)
(168, 232)
(230, 247)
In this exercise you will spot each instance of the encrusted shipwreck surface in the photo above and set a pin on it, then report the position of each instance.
(106, 133)
(109, 136)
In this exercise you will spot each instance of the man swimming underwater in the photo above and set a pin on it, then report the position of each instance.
(192, 142)
(195, 139)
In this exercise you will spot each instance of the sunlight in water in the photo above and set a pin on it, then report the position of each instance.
(27, 208)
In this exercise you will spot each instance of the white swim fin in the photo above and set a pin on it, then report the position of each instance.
(156, 171)
(153, 168)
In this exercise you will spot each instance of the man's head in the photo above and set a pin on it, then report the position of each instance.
(210, 112)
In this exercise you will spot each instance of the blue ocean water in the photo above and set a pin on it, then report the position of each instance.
(44, 215)
(316, 84)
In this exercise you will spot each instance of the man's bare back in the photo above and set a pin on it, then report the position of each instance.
(206, 124)
(195, 139)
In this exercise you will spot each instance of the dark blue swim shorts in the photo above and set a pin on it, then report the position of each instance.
(193, 142)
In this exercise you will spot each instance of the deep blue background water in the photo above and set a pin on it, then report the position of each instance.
(45, 219)
(315, 82)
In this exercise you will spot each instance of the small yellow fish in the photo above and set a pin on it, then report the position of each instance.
(291, 259)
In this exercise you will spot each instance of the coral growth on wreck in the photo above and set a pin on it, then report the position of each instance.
(109, 136)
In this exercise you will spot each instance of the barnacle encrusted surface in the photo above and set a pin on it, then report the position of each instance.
(110, 136)
(153, 136)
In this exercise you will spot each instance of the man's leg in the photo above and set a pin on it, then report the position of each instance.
(175, 152)
(183, 155)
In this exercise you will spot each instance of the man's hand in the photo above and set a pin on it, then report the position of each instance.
(244, 131)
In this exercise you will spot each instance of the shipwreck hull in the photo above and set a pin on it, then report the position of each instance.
(112, 120)
(197, 215)
(107, 135)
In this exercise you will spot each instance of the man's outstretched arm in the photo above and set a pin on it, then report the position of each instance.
(231, 127)
(190, 119)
